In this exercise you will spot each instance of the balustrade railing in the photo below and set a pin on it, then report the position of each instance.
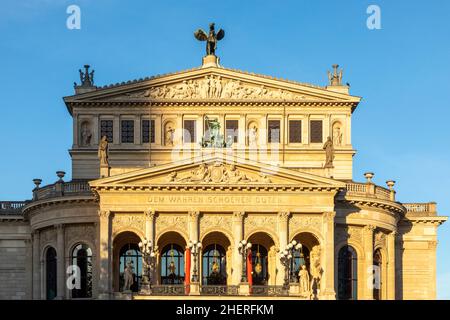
(169, 290)
(219, 290)
(421, 208)
(367, 190)
(269, 291)
(59, 189)
(12, 207)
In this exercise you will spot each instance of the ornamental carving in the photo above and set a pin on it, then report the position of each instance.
(216, 87)
(124, 221)
(214, 221)
(351, 233)
(255, 222)
(80, 232)
(216, 173)
(304, 222)
(380, 239)
(173, 221)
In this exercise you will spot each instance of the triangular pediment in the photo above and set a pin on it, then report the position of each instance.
(217, 169)
(213, 84)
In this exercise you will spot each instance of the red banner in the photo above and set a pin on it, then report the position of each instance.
(187, 270)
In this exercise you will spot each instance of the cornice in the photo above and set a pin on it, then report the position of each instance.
(35, 205)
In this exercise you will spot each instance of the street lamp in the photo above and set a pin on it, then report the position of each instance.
(195, 247)
(286, 257)
(243, 247)
(148, 259)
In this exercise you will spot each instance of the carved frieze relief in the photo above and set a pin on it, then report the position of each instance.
(164, 221)
(298, 222)
(255, 222)
(217, 87)
(209, 221)
(124, 221)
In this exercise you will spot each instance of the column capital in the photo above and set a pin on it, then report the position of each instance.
(105, 214)
(284, 215)
(150, 214)
(35, 232)
(393, 234)
(329, 215)
(238, 215)
(369, 228)
(59, 227)
(194, 214)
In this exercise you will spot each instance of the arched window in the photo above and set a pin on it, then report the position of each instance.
(214, 270)
(131, 254)
(260, 275)
(50, 273)
(377, 276)
(172, 265)
(82, 258)
(301, 257)
(347, 274)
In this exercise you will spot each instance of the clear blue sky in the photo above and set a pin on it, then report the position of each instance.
(400, 130)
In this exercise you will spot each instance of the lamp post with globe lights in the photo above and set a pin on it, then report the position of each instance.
(243, 247)
(195, 247)
(286, 257)
(148, 259)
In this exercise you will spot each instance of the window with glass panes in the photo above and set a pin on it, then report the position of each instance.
(189, 131)
(106, 129)
(295, 131)
(232, 130)
(127, 132)
(273, 131)
(148, 131)
(316, 131)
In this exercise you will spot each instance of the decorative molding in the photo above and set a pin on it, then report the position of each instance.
(164, 221)
(150, 214)
(284, 215)
(104, 214)
(301, 221)
(238, 216)
(255, 222)
(124, 221)
(213, 220)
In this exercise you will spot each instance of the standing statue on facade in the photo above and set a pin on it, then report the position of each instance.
(86, 135)
(211, 39)
(103, 152)
(304, 280)
(337, 136)
(169, 136)
(253, 137)
(329, 153)
(128, 276)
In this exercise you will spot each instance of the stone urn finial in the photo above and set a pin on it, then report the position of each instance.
(369, 176)
(37, 182)
(390, 184)
(60, 175)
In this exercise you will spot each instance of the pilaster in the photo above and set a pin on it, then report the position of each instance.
(368, 270)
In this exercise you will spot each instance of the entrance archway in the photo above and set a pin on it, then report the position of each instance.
(308, 241)
(263, 259)
(215, 253)
(126, 251)
(171, 264)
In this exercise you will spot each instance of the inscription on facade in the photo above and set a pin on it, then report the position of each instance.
(217, 199)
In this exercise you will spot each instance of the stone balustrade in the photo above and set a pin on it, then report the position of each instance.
(428, 208)
(61, 189)
(12, 207)
(368, 190)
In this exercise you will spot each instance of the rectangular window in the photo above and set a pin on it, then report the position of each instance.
(127, 131)
(106, 129)
(316, 131)
(232, 130)
(148, 131)
(273, 131)
(189, 131)
(295, 131)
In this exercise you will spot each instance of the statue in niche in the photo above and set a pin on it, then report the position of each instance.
(337, 136)
(86, 135)
(169, 135)
(128, 276)
(329, 153)
(304, 280)
(253, 136)
(103, 151)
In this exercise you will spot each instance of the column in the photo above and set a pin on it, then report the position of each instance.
(368, 270)
(36, 265)
(60, 258)
(104, 254)
(283, 236)
(193, 226)
(150, 235)
(391, 265)
(238, 234)
(327, 286)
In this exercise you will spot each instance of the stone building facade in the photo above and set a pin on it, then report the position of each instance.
(214, 181)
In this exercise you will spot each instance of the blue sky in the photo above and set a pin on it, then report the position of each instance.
(400, 130)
